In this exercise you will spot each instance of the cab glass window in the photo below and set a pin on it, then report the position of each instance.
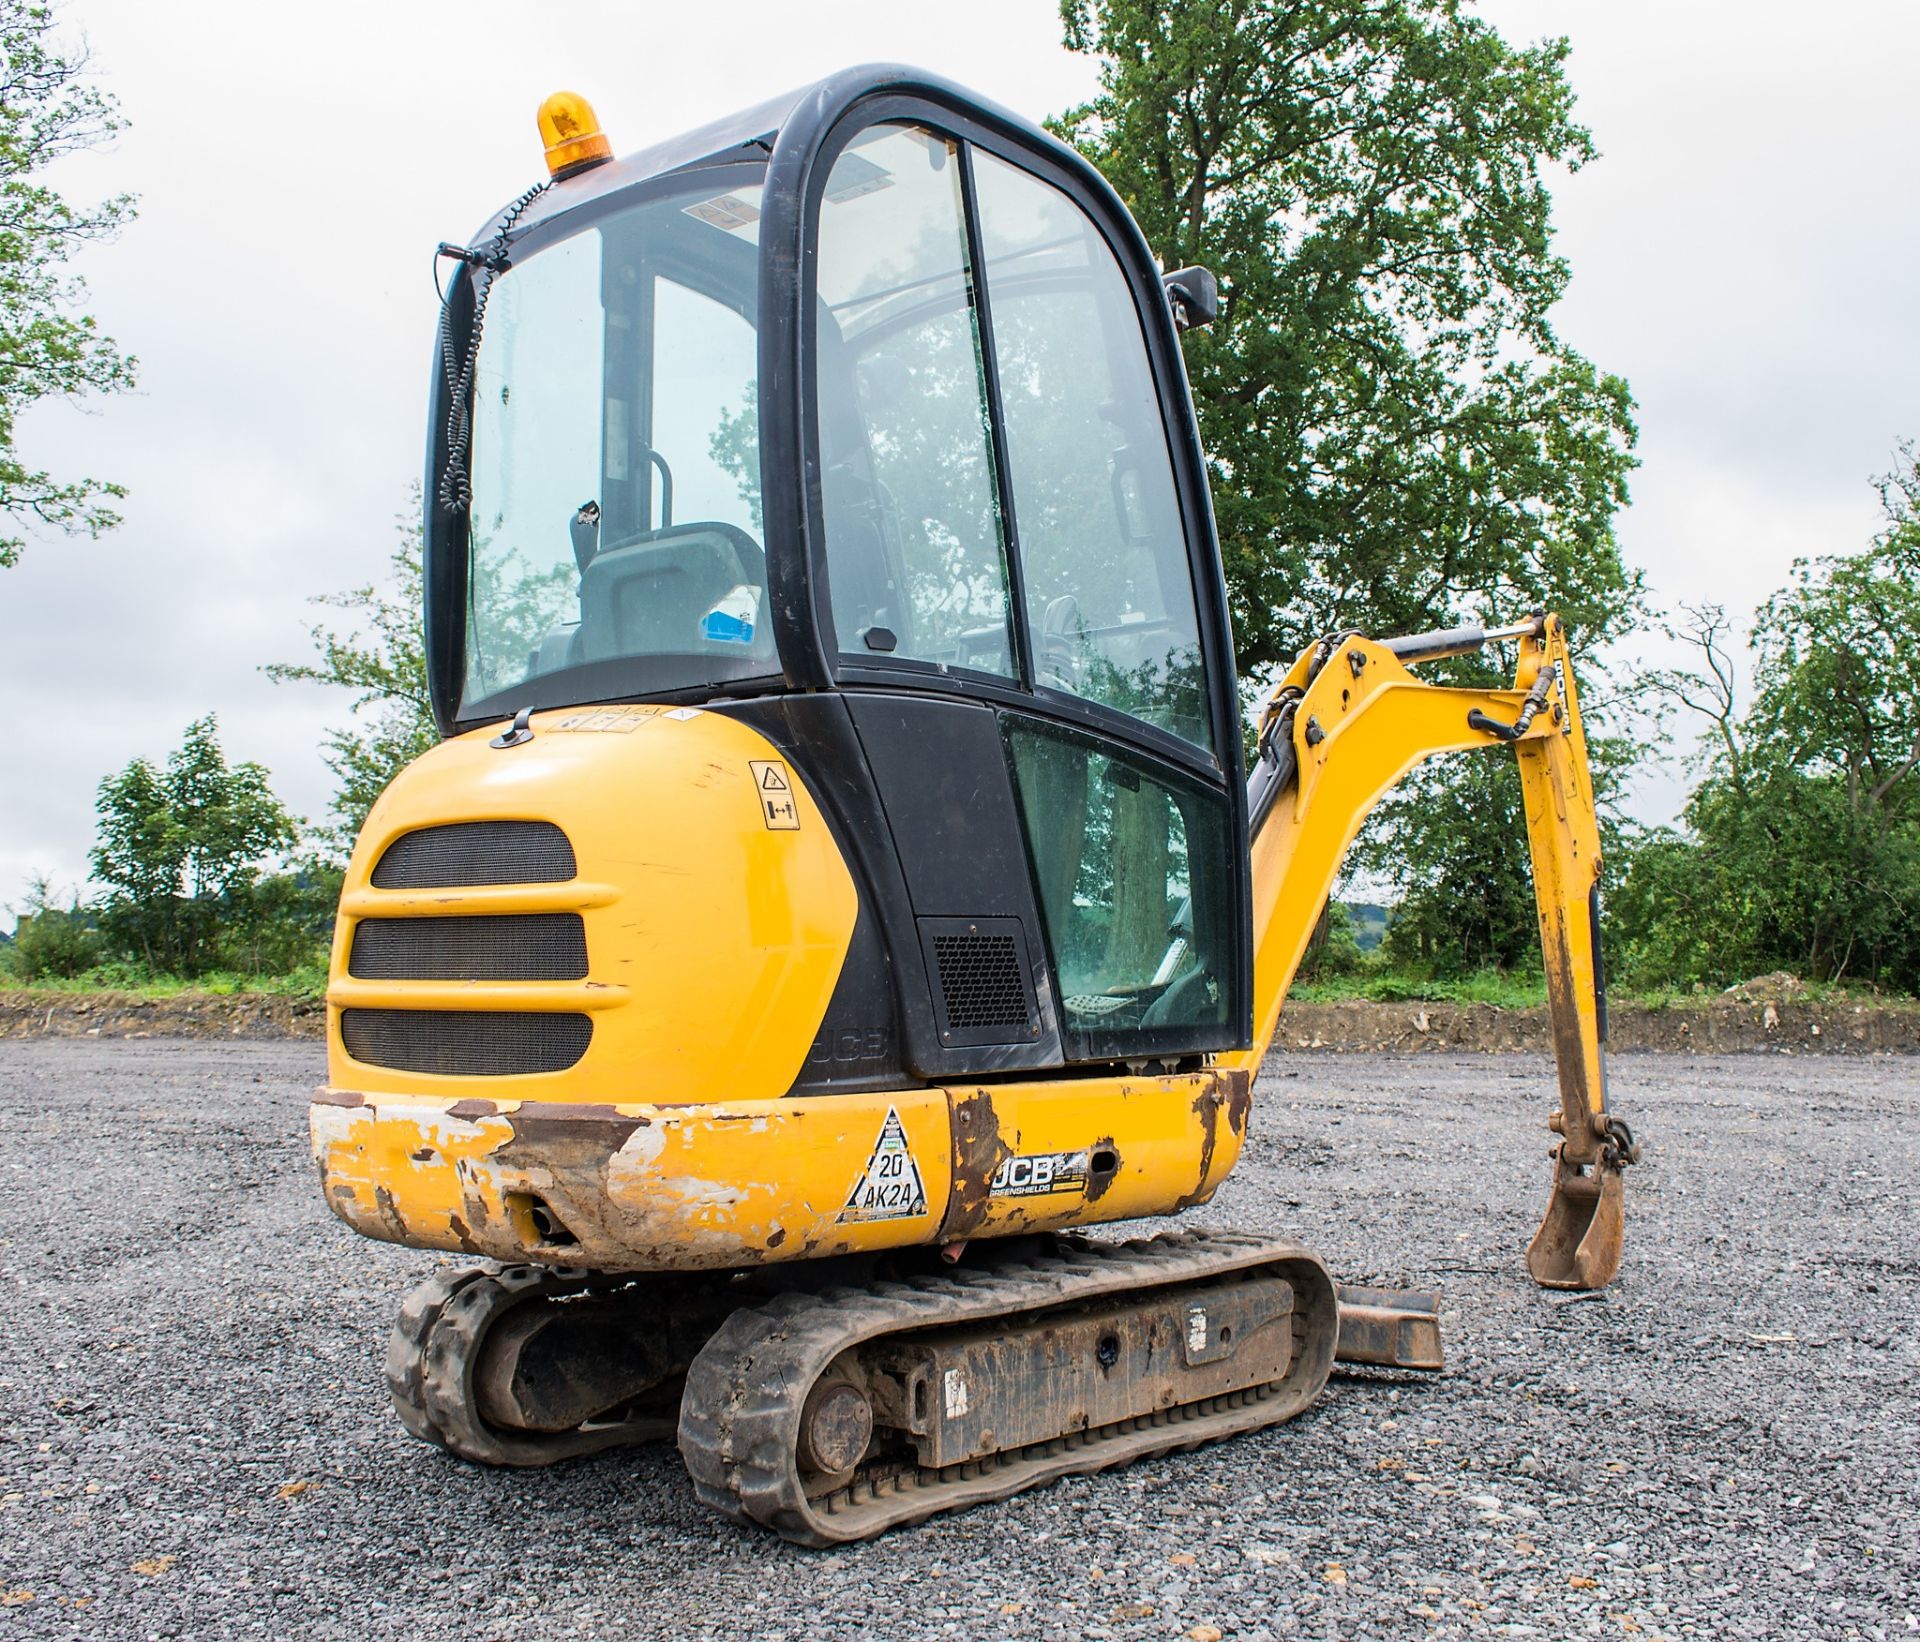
(916, 557)
(1133, 890)
(615, 466)
(1102, 545)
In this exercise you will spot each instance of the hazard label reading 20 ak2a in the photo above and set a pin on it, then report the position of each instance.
(774, 784)
(889, 1187)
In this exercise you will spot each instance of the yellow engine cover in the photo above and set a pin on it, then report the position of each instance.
(717, 909)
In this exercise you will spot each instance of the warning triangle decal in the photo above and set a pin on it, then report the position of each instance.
(773, 778)
(889, 1188)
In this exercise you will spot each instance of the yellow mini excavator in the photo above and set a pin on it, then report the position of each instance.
(841, 879)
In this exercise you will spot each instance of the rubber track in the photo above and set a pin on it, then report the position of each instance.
(407, 1344)
(437, 1339)
(739, 1419)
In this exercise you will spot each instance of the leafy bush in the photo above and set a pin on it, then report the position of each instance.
(1334, 949)
(279, 924)
(52, 941)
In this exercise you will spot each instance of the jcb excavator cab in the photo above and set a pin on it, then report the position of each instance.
(863, 420)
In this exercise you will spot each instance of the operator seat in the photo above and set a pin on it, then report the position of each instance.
(649, 596)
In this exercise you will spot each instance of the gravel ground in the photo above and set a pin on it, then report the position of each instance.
(194, 1441)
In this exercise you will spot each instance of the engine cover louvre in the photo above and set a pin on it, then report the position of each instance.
(466, 1042)
(982, 989)
(533, 946)
(469, 853)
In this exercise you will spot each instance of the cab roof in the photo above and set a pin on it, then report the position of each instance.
(751, 133)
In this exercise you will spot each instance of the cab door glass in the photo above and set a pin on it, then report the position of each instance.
(916, 556)
(1134, 890)
(704, 460)
(705, 432)
(1102, 544)
(536, 439)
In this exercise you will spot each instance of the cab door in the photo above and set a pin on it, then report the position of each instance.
(1018, 594)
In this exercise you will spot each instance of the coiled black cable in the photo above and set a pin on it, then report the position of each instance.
(456, 487)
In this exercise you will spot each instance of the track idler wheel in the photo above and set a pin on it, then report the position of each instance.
(407, 1344)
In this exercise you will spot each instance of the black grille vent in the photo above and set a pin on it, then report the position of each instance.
(533, 946)
(476, 852)
(982, 992)
(465, 1042)
(980, 980)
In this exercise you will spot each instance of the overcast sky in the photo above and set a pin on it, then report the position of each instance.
(1744, 253)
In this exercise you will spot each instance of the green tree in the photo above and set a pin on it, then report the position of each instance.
(1467, 905)
(1801, 847)
(1838, 669)
(1398, 439)
(279, 922)
(382, 661)
(48, 348)
(1334, 948)
(180, 849)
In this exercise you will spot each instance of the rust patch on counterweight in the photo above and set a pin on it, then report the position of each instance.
(978, 1152)
(390, 1216)
(573, 1125)
(464, 1232)
(328, 1096)
(1239, 1099)
(1206, 1107)
(1099, 1181)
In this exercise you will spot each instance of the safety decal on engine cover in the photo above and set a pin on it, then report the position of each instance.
(775, 787)
(1040, 1174)
(889, 1188)
(602, 721)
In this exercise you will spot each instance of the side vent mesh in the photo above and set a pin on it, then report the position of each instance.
(476, 852)
(980, 980)
(982, 991)
(533, 946)
(464, 1042)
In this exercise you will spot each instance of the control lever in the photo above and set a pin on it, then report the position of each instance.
(584, 527)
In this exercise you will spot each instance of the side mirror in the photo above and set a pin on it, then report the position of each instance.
(1195, 296)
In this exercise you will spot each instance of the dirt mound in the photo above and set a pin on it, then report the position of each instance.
(184, 1015)
(1730, 1022)
(1737, 1020)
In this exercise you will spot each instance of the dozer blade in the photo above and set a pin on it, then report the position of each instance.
(1389, 1328)
(834, 1416)
(1578, 1243)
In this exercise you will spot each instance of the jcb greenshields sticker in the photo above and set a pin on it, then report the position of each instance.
(889, 1188)
(1040, 1174)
